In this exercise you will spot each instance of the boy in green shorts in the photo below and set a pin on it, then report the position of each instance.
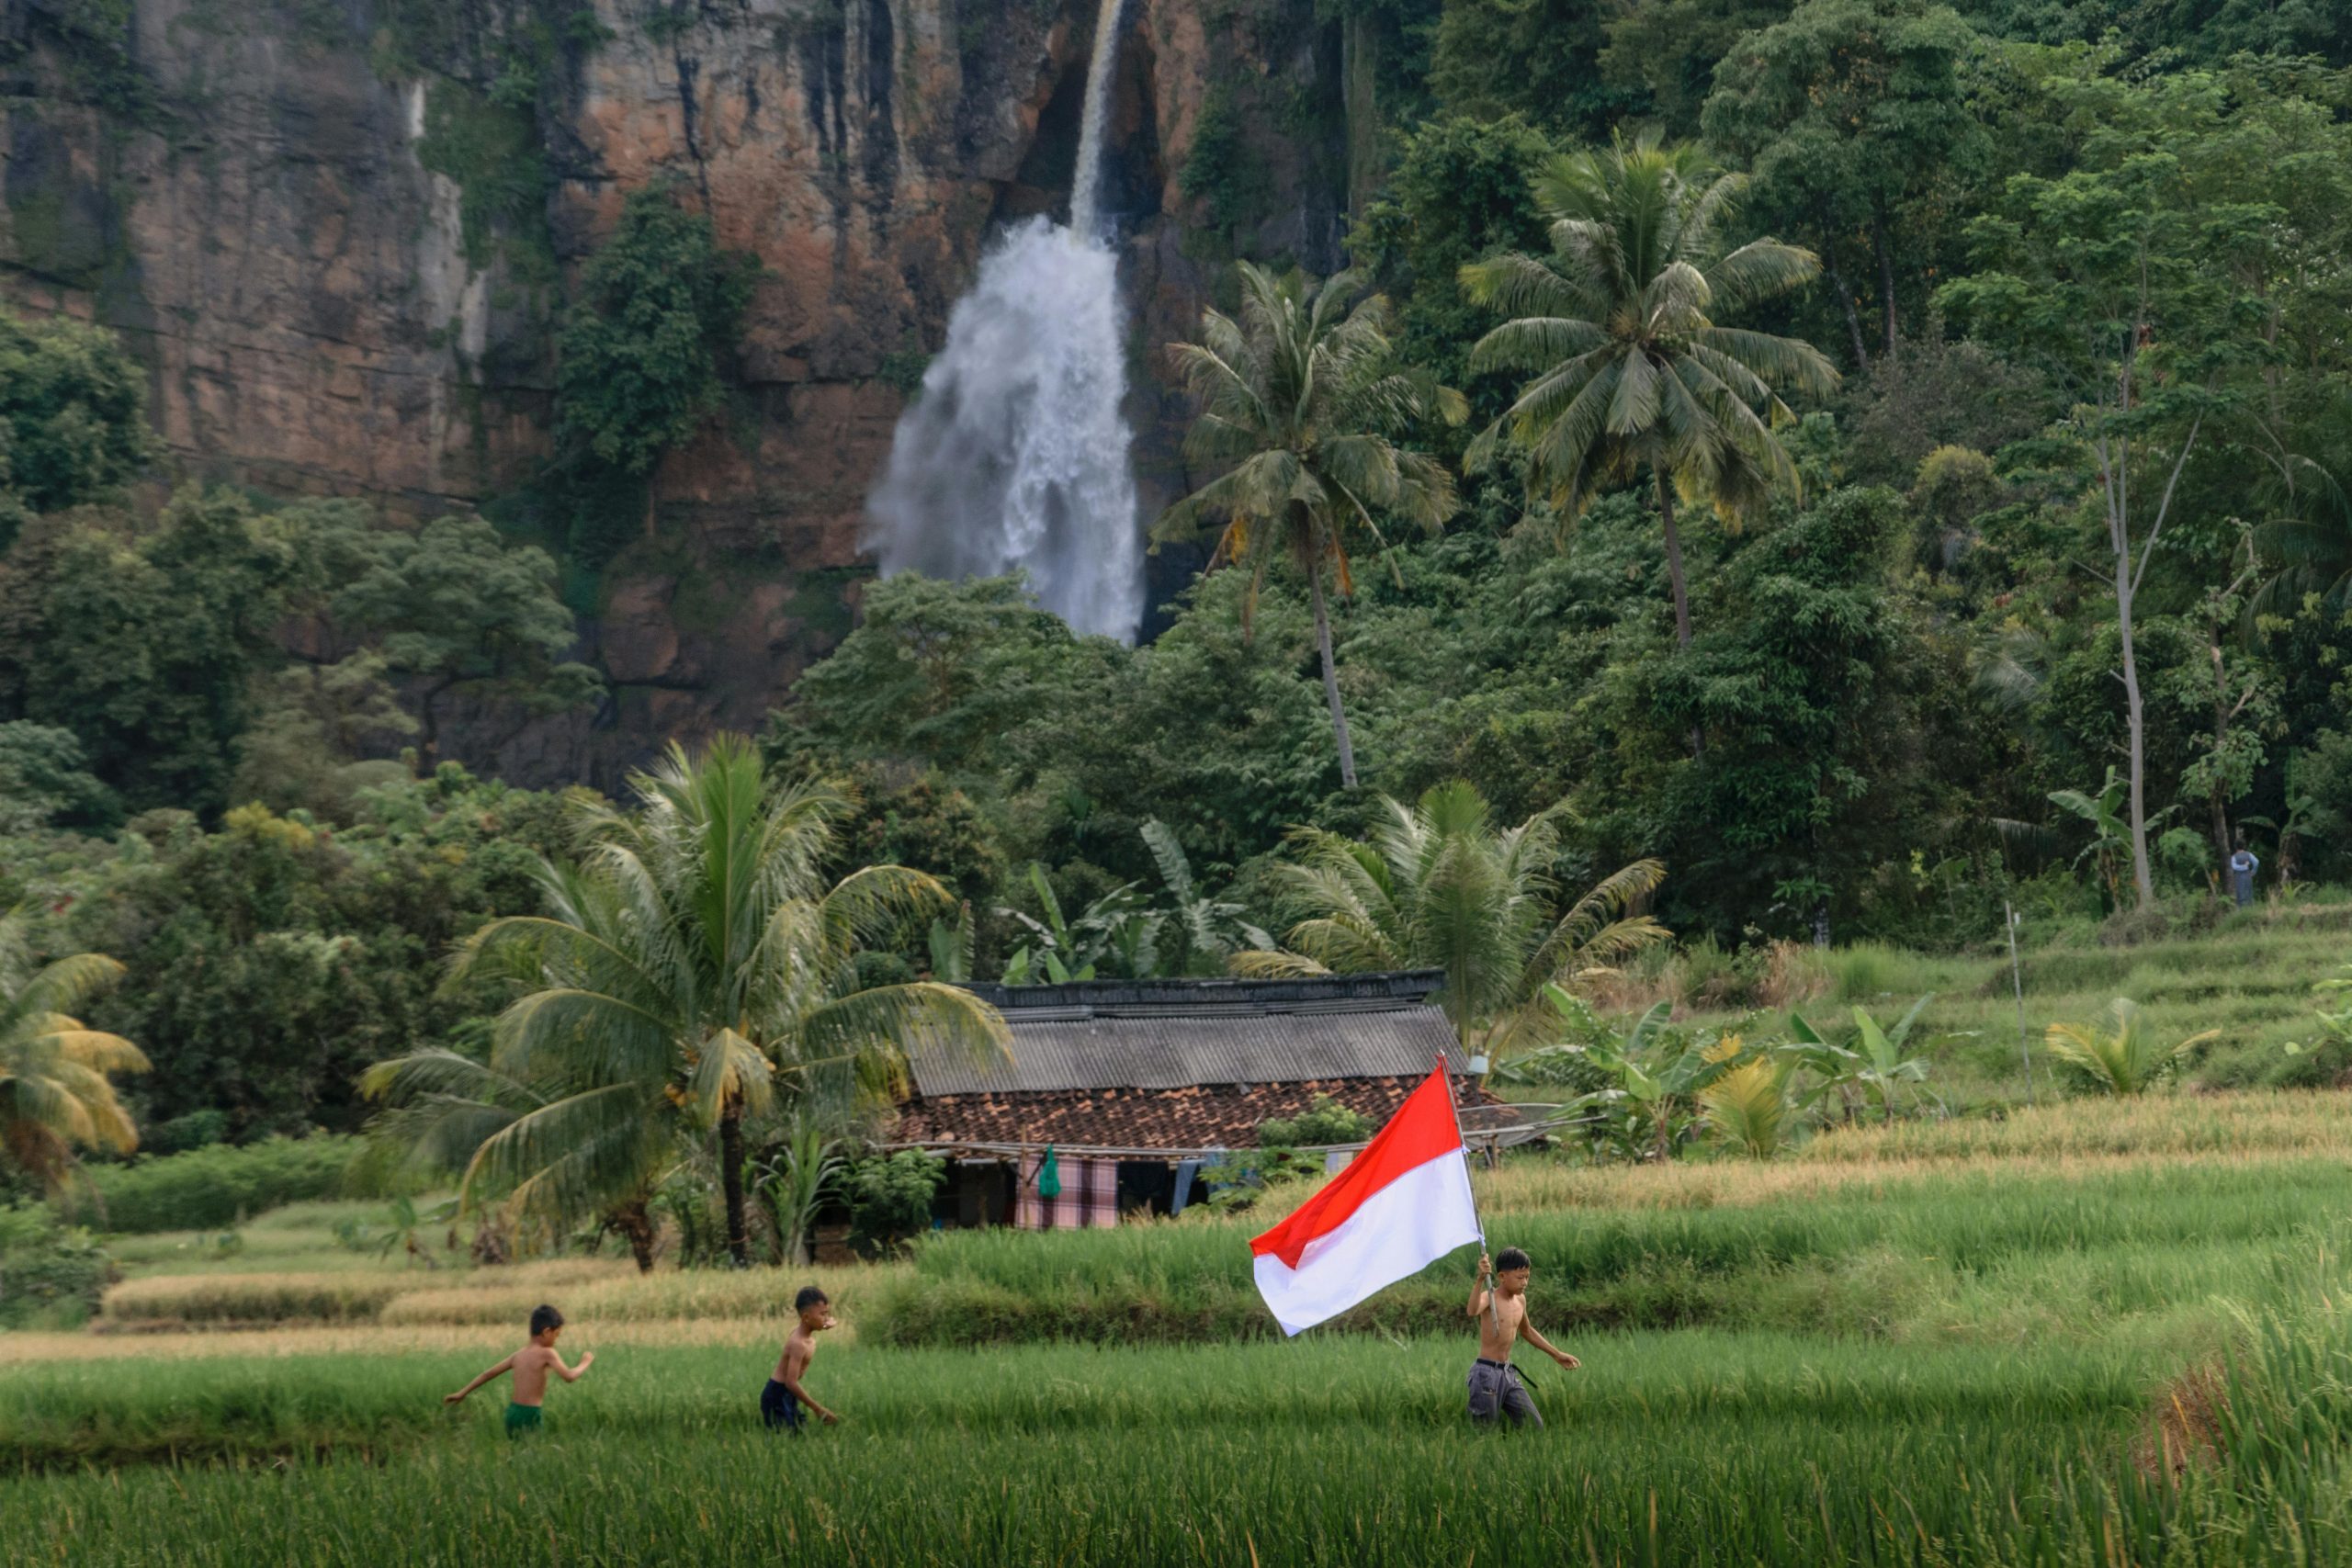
(530, 1366)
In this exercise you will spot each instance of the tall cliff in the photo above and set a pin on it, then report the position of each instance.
(340, 233)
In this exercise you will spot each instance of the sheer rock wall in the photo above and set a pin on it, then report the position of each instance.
(339, 232)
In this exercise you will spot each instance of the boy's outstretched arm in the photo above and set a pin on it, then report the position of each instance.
(1527, 1332)
(572, 1374)
(499, 1371)
(796, 1363)
(1478, 1287)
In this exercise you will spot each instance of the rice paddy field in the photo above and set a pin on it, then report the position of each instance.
(2085, 1333)
(2249, 977)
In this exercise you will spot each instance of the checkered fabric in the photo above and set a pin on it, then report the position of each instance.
(1088, 1199)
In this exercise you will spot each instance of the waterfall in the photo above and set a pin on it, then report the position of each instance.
(1015, 454)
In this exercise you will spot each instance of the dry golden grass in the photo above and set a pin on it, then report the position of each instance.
(2073, 1140)
(1726, 1184)
(370, 1339)
(622, 1296)
(608, 1290)
(2278, 1122)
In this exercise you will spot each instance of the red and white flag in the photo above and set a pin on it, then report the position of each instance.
(1400, 1206)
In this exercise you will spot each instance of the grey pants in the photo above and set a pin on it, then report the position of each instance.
(1498, 1390)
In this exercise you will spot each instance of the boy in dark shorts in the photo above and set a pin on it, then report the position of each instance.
(530, 1366)
(1499, 1300)
(780, 1402)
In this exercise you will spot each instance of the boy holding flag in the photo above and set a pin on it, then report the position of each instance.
(1499, 1300)
(1398, 1207)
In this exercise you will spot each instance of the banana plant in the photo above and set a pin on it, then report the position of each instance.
(2110, 834)
(1208, 928)
(1876, 1063)
(1114, 928)
(406, 1222)
(951, 946)
(1655, 1078)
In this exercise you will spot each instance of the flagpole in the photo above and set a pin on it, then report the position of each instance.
(1494, 1308)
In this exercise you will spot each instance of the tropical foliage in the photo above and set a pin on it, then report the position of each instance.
(695, 969)
(56, 1093)
(1635, 375)
(2038, 607)
(1299, 400)
(1438, 885)
(2122, 1055)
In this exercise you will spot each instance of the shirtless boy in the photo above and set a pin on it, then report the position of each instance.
(780, 1402)
(1499, 1300)
(530, 1366)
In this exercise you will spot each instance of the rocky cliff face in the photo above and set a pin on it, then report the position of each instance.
(339, 232)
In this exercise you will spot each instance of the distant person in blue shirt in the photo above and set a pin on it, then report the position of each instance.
(2243, 865)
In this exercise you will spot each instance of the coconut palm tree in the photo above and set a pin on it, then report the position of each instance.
(2308, 544)
(1439, 886)
(1299, 403)
(1632, 374)
(54, 1092)
(695, 969)
(2120, 1055)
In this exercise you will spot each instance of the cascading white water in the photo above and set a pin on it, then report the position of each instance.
(1015, 454)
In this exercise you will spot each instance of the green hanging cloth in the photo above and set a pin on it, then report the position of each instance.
(1049, 1176)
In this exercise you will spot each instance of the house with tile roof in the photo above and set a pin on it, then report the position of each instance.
(1136, 1085)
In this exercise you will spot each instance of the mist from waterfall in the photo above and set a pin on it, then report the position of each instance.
(1016, 455)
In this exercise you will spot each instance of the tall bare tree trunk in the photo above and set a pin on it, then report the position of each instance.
(2136, 725)
(730, 1182)
(1331, 677)
(2221, 739)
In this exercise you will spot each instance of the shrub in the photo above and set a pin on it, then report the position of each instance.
(1325, 1121)
(49, 1274)
(211, 1188)
(890, 1199)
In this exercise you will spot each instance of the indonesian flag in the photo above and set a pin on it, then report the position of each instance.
(1399, 1207)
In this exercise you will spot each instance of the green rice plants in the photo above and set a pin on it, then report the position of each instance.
(214, 1299)
(2122, 1056)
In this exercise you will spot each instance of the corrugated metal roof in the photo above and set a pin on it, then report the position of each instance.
(1174, 1048)
(1218, 993)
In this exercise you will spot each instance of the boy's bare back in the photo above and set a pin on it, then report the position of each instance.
(532, 1364)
